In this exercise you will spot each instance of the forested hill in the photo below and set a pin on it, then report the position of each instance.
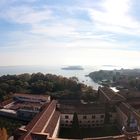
(129, 78)
(38, 83)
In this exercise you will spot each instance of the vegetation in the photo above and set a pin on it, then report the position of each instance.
(3, 134)
(89, 132)
(38, 83)
(10, 125)
(126, 78)
(75, 127)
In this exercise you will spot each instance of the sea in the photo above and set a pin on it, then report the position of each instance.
(57, 70)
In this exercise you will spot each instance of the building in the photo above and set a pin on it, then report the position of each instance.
(31, 98)
(45, 124)
(89, 115)
(107, 95)
(110, 109)
(23, 106)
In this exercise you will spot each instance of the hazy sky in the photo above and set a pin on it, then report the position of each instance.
(70, 32)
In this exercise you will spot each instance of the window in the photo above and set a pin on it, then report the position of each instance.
(101, 121)
(97, 121)
(102, 116)
(93, 117)
(62, 125)
(84, 117)
(88, 121)
(66, 117)
(97, 124)
(66, 121)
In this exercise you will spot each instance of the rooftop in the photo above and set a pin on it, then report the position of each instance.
(43, 123)
(111, 95)
(32, 96)
(80, 108)
(129, 110)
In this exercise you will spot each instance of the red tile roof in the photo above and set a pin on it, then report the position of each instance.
(31, 96)
(128, 109)
(40, 120)
(6, 102)
(52, 124)
(110, 94)
(82, 108)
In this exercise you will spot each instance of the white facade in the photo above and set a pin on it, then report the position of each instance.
(66, 120)
(56, 131)
(85, 120)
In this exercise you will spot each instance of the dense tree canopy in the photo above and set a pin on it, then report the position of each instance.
(38, 83)
(127, 78)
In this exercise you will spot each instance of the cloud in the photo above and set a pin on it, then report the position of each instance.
(26, 14)
(114, 16)
(89, 32)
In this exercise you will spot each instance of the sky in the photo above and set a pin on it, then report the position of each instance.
(70, 32)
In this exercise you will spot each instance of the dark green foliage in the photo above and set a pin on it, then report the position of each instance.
(90, 132)
(127, 78)
(10, 124)
(75, 122)
(75, 126)
(103, 75)
(38, 83)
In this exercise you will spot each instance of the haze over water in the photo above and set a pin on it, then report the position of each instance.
(80, 74)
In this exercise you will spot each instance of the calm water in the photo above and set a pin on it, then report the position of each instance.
(80, 74)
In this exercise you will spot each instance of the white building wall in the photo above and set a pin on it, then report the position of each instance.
(85, 120)
(56, 131)
(92, 120)
(66, 120)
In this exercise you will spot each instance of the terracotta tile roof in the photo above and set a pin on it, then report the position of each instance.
(6, 102)
(119, 137)
(128, 109)
(44, 117)
(110, 94)
(40, 120)
(136, 106)
(34, 96)
(35, 119)
(16, 105)
(82, 108)
(52, 124)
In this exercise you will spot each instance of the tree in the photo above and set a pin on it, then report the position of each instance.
(3, 134)
(75, 126)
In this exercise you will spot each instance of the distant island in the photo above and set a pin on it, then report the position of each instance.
(109, 66)
(73, 68)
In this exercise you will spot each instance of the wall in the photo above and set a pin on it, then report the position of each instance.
(56, 131)
(121, 118)
(85, 120)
